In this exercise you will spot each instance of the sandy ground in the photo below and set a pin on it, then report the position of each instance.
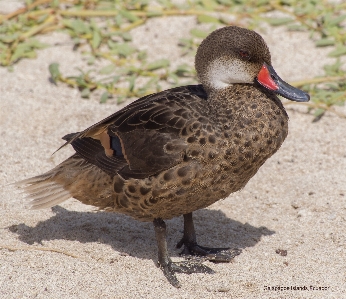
(296, 202)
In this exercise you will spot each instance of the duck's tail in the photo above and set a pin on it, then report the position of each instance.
(42, 191)
(53, 187)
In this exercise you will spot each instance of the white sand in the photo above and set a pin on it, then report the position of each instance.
(296, 202)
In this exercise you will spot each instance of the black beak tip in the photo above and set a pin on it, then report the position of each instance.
(305, 97)
(291, 93)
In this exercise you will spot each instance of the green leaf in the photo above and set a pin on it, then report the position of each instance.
(209, 4)
(174, 77)
(9, 38)
(296, 27)
(23, 50)
(80, 81)
(198, 33)
(30, 54)
(225, 2)
(128, 70)
(96, 40)
(112, 45)
(165, 3)
(333, 69)
(151, 14)
(158, 64)
(85, 94)
(186, 42)
(116, 79)
(183, 70)
(18, 53)
(324, 42)
(132, 80)
(107, 69)
(104, 97)
(35, 44)
(128, 15)
(76, 41)
(124, 49)
(54, 71)
(142, 55)
(126, 36)
(67, 23)
(41, 19)
(339, 51)
(318, 112)
(279, 21)
(79, 26)
(120, 99)
(262, 2)
(119, 20)
(55, 3)
(337, 20)
(207, 19)
(91, 60)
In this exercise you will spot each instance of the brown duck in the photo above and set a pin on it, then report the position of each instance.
(180, 150)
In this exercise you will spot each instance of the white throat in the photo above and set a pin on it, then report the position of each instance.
(223, 73)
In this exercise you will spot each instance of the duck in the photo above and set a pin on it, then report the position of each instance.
(171, 153)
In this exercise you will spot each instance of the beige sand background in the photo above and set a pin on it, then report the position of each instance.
(296, 202)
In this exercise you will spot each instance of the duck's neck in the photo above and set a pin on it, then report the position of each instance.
(220, 101)
(242, 100)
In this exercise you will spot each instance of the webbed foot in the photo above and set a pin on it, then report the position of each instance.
(217, 255)
(168, 267)
(187, 267)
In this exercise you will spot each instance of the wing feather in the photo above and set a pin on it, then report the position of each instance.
(144, 128)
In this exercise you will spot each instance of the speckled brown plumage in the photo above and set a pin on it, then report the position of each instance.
(208, 151)
(180, 150)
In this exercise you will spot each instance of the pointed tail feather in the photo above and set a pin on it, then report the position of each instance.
(51, 188)
(42, 191)
(71, 178)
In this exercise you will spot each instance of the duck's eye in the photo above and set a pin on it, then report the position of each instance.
(244, 54)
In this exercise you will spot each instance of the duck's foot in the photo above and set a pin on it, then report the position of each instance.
(186, 267)
(217, 255)
(165, 263)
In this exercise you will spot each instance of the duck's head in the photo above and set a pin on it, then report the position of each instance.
(237, 55)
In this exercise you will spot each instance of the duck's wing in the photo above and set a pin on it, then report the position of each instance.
(146, 136)
(93, 152)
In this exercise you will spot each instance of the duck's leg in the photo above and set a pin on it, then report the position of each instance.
(168, 267)
(218, 255)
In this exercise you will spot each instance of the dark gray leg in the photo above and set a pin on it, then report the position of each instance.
(168, 267)
(218, 255)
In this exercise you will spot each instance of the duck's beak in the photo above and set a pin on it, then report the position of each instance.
(268, 78)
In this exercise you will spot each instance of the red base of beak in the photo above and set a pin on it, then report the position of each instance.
(265, 79)
(268, 78)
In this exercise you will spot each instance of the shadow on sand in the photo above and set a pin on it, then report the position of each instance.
(135, 238)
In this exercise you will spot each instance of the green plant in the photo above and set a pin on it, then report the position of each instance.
(102, 30)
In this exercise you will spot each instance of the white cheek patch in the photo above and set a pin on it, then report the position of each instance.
(223, 73)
